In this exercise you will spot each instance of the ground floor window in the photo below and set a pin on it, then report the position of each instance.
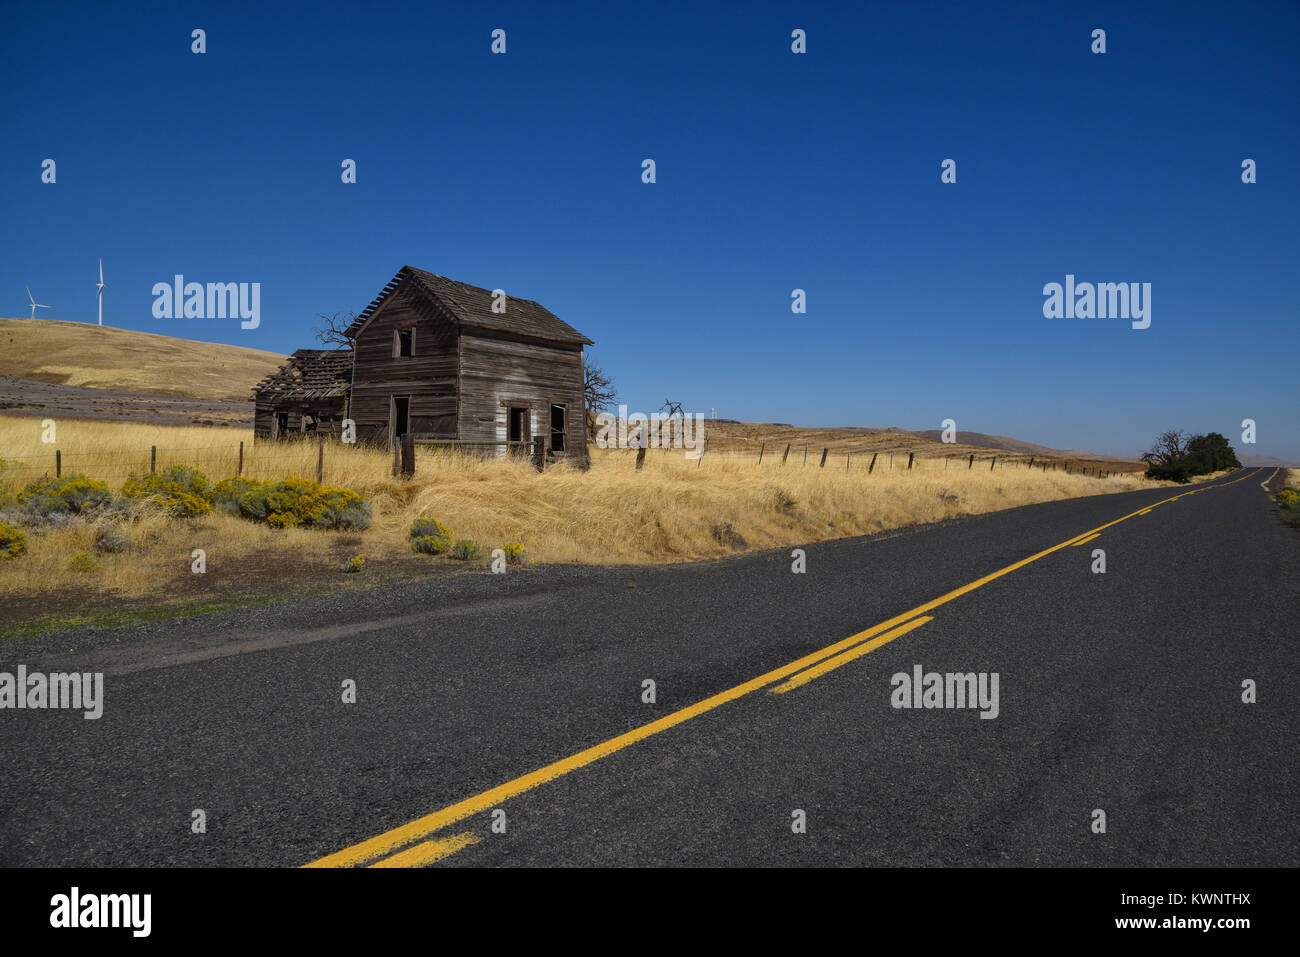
(557, 428)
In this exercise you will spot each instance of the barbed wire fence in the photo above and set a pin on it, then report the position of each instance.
(266, 459)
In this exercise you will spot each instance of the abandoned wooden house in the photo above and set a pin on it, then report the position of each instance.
(307, 394)
(439, 359)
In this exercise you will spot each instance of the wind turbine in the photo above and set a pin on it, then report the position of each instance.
(99, 292)
(35, 305)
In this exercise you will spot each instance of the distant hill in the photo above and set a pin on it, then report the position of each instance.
(986, 441)
(725, 434)
(102, 357)
(1264, 461)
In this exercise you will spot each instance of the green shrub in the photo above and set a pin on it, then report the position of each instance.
(69, 495)
(429, 536)
(178, 489)
(108, 539)
(295, 501)
(226, 493)
(12, 541)
(84, 562)
(465, 550)
(1180, 471)
(1288, 501)
(428, 526)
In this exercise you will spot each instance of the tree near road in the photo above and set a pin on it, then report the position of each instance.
(1176, 457)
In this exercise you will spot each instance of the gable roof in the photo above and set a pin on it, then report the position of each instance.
(309, 374)
(471, 308)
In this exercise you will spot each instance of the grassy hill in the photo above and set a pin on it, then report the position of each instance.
(747, 437)
(101, 357)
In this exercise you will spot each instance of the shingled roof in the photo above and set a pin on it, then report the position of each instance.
(309, 374)
(471, 307)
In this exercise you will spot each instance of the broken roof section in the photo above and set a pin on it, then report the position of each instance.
(471, 307)
(310, 374)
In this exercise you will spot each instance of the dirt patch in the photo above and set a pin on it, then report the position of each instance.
(257, 578)
(48, 399)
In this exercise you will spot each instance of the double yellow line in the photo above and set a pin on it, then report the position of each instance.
(419, 851)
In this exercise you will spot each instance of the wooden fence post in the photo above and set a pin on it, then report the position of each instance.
(785, 453)
(1031, 461)
(320, 458)
(640, 458)
(58, 463)
(823, 465)
(240, 469)
(760, 451)
(910, 456)
(805, 454)
(971, 463)
(848, 457)
(993, 463)
(891, 461)
(153, 459)
(873, 462)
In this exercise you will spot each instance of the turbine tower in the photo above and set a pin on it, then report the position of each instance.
(35, 305)
(99, 292)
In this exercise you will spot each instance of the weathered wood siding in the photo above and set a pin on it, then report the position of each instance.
(327, 413)
(496, 373)
(428, 376)
(263, 419)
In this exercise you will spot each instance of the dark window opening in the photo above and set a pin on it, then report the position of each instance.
(518, 427)
(401, 415)
(557, 428)
(405, 343)
(281, 423)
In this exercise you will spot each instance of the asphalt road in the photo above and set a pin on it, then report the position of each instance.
(523, 693)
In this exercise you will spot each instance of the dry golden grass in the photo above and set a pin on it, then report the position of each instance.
(675, 509)
(101, 357)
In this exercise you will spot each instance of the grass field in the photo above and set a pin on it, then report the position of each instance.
(83, 354)
(675, 509)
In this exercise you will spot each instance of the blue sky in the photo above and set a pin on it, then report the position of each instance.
(775, 171)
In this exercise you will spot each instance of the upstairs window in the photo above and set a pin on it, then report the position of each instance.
(403, 343)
